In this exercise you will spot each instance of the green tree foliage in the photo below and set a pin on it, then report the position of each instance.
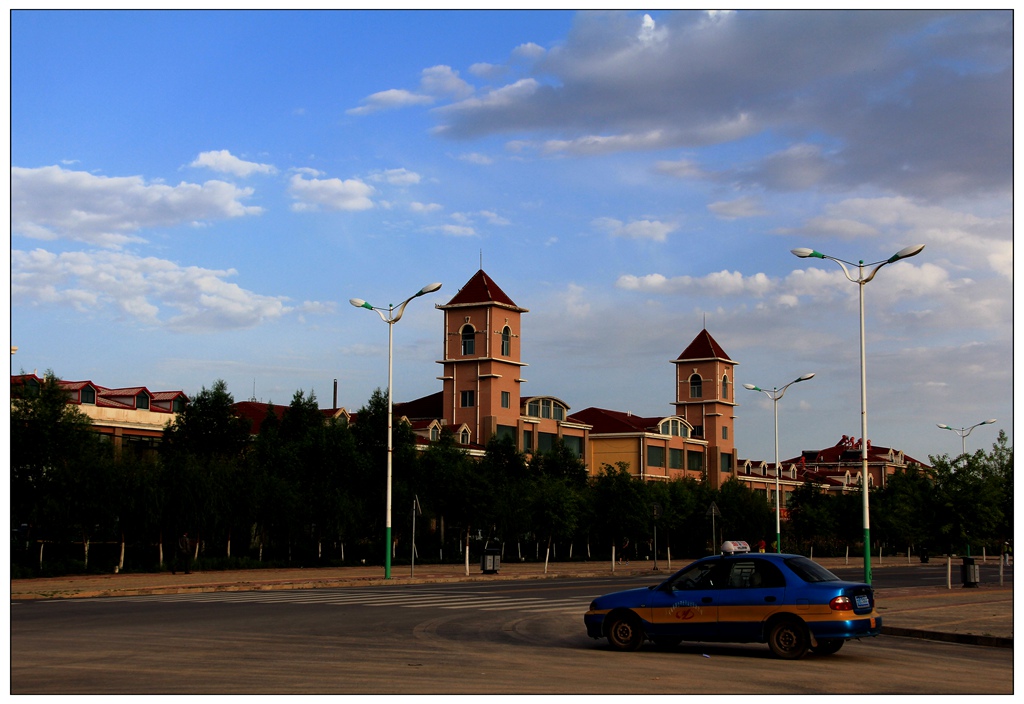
(310, 490)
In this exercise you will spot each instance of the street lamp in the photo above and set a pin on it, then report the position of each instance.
(775, 395)
(391, 318)
(964, 432)
(861, 280)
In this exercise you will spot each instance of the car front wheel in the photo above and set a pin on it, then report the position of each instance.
(624, 632)
(828, 646)
(788, 639)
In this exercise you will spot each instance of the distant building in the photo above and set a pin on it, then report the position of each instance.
(128, 417)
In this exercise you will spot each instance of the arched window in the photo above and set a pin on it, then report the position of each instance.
(506, 342)
(468, 340)
(464, 437)
(725, 387)
(696, 386)
(434, 434)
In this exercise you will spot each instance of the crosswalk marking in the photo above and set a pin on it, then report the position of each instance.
(440, 600)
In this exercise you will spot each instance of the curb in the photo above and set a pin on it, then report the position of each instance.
(959, 638)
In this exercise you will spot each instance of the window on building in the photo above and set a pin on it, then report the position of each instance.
(506, 342)
(434, 433)
(142, 402)
(696, 384)
(726, 461)
(527, 440)
(695, 461)
(505, 431)
(674, 427)
(178, 405)
(725, 432)
(464, 437)
(725, 387)
(506, 399)
(545, 408)
(573, 444)
(655, 456)
(675, 458)
(468, 340)
(698, 431)
(89, 395)
(467, 399)
(546, 442)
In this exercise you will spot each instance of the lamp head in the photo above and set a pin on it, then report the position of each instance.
(944, 426)
(429, 288)
(805, 377)
(751, 387)
(360, 303)
(906, 253)
(804, 252)
(990, 420)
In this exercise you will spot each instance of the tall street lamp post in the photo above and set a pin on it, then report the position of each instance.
(393, 316)
(861, 280)
(775, 395)
(964, 432)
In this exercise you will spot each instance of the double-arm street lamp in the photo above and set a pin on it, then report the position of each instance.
(964, 432)
(861, 280)
(394, 314)
(775, 395)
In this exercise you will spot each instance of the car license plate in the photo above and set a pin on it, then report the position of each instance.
(863, 602)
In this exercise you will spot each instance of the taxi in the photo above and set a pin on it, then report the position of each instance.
(787, 601)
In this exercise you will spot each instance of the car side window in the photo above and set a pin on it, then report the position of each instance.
(754, 574)
(705, 575)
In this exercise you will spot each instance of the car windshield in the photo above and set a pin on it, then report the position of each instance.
(809, 570)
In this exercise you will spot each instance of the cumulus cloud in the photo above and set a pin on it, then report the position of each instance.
(637, 230)
(330, 194)
(417, 207)
(225, 162)
(722, 283)
(918, 102)
(53, 203)
(147, 290)
(435, 82)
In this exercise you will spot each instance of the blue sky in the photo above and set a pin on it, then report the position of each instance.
(196, 196)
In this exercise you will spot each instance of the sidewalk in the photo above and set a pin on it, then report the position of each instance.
(976, 616)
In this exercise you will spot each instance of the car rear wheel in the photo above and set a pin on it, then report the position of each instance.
(788, 639)
(624, 632)
(828, 646)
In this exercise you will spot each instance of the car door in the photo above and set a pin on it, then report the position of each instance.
(686, 606)
(753, 590)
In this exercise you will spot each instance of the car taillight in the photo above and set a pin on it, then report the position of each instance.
(841, 603)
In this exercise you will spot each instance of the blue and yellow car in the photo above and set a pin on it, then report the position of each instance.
(787, 601)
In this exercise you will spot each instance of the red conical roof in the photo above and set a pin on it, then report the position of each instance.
(481, 289)
(704, 347)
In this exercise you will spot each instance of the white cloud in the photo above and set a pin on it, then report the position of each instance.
(390, 100)
(331, 194)
(636, 230)
(746, 207)
(397, 177)
(476, 158)
(444, 81)
(683, 168)
(722, 283)
(149, 290)
(225, 162)
(424, 207)
(528, 50)
(54, 203)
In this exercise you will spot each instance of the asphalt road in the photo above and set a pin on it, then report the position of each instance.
(470, 638)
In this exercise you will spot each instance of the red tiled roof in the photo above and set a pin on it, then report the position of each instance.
(481, 289)
(607, 421)
(704, 347)
(425, 408)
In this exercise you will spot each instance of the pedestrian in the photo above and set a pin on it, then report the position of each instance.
(760, 545)
(1007, 550)
(623, 553)
(185, 553)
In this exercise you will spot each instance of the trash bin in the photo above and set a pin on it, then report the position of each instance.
(970, 573)
(490, 561)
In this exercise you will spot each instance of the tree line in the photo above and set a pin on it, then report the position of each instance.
(310, 491)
